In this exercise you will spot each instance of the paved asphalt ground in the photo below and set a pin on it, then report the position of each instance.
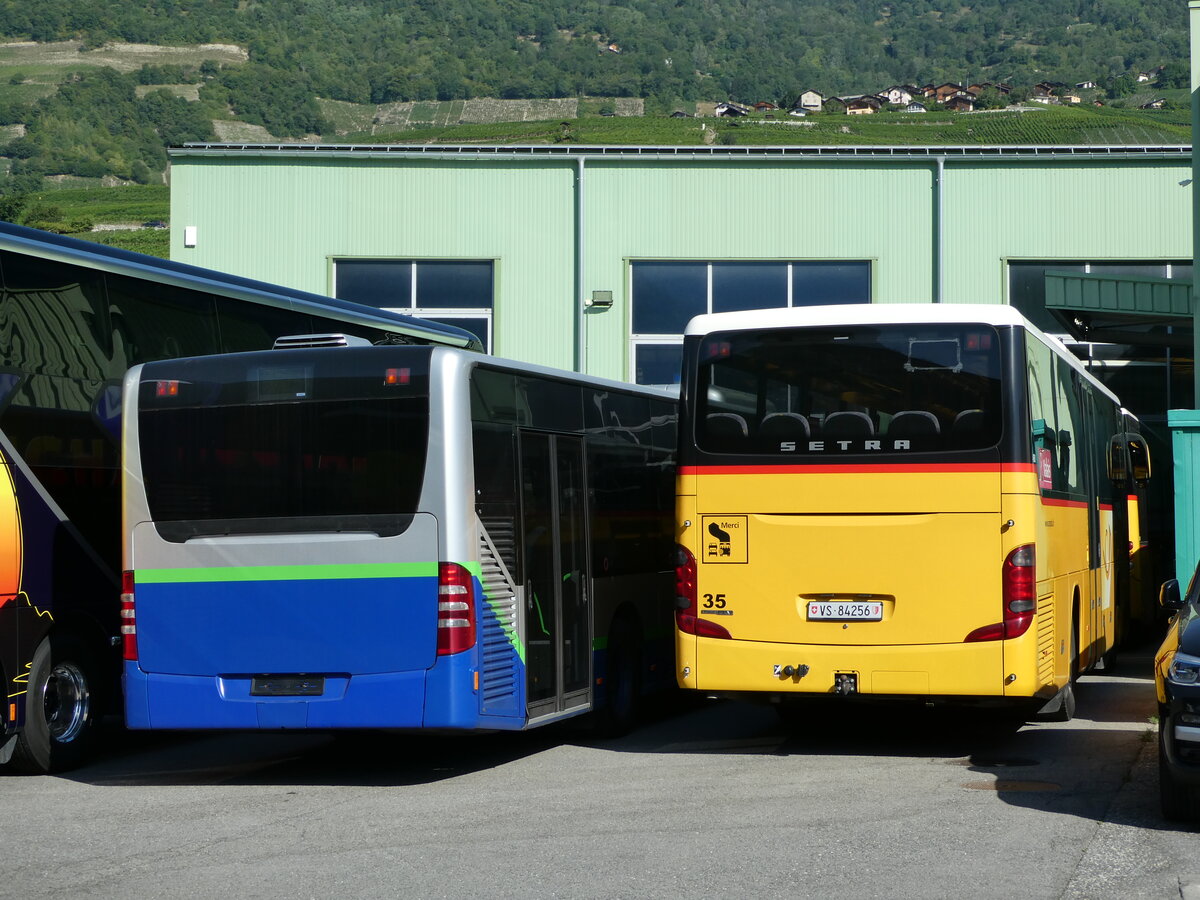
(714, 799)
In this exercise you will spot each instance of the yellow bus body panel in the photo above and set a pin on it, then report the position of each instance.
(928, 545)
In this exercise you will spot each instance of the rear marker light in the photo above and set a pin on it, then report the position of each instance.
(166, 389)
(397, 376)
(1018, 579)
(129, 648)
(456, 609)
(687, 610)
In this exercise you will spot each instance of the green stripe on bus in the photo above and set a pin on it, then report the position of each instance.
(287, 573)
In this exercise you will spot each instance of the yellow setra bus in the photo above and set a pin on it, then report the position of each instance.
(898, 501)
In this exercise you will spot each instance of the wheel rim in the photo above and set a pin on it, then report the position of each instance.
(66, 702)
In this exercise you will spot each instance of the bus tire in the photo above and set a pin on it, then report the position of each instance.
(1064, 711)
(62, 707)
(623, 680)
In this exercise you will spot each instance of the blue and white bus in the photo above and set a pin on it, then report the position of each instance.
(392, 537)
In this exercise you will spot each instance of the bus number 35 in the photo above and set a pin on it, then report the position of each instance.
(714, 601)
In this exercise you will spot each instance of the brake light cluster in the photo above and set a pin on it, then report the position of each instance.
(129, 648)
(456, 609)
(1018, 581)
(687, 612)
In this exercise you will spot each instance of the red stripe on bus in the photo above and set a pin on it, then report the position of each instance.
(850, 469)
(1106, 507)
(1070, 504)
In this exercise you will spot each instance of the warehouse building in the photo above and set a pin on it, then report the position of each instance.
(594, 258)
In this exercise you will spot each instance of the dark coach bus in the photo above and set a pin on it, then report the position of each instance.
(74, 316)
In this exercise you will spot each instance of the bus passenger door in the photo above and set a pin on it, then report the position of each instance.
(1092, 440)
(557, 601)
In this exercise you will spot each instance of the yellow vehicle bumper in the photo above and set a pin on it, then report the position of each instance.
(932, 670)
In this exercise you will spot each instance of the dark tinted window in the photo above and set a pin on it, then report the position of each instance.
(284, 442)
(252, 326)
(667, 294)
(858, 389)
(751, 285)
(454, 285)
(157, 321)
(553, 405)
(657, 363)
(817, 283)
(631, 475)
(53, 319)
(374, 282)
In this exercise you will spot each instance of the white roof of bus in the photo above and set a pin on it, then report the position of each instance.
(859, 314)
(884, 314)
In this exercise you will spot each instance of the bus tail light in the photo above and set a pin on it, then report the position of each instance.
(1018, 581)
(456, 609)
(687, 610)
(129, 648)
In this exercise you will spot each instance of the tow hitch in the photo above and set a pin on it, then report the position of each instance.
(845, 684)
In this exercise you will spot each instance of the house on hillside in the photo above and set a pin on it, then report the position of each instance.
(863, 106)
(1154, 104)
(1143, 77)
(1071, 98)
(812, 101)
(944, 92)
(798, 112)
(961, 102)
(916, 107)
(1001, 87)
(897, 95)
(1086, 85)
(730, 110)
(764, 106)
(1048, 88)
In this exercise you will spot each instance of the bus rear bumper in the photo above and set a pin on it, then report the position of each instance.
(391, 700)
(974, 670)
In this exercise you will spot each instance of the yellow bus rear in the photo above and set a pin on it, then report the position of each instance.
(897, 557)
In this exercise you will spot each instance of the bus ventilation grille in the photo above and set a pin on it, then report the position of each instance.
(498, 634)
(305, 341)
(1045, 622)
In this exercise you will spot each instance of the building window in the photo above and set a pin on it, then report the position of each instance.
(454, 292)
(666, 294)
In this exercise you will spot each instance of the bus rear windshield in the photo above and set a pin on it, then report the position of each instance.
(822, 392)
(320, 465)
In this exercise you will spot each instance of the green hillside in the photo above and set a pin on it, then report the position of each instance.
(92, 92)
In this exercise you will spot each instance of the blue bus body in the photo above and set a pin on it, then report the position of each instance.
(484, 546)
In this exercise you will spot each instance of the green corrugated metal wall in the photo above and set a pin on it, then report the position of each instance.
(281, 217)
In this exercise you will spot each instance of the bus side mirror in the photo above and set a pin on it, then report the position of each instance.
(1168, 595)
(1139, 458)
(1118, 460)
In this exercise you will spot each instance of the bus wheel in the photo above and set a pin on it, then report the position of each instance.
(623, 680)
(61, 710)
(1062, 707)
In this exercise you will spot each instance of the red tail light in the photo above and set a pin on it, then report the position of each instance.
(456, 609)
(1018, 580)
(687, 606)
(129, 648)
